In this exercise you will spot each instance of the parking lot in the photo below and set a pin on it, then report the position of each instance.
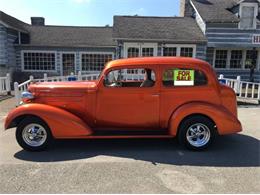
(231, 165)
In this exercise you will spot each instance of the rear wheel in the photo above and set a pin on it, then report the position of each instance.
(196, 132)
(33, 134)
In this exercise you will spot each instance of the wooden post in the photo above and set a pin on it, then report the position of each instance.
(237, 85)
(45, 77)
(79, 76)
(8, 84)
(16, 94)
(221, 76)
(31, 78)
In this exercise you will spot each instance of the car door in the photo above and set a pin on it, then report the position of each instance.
(128, 107)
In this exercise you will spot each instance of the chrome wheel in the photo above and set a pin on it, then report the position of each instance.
(198, 135)
(34, 135)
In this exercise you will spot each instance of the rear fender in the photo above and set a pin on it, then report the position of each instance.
(225, 121)
(62, 123)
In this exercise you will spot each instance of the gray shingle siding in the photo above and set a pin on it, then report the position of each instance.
(201, 51)
(7, 51)
(228, 35)
(3, 45)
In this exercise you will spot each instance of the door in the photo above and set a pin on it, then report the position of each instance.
(68, 63)
(128, 105)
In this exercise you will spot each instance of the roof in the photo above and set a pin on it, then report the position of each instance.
(175, 29)
(156, 61)
(12, 22)
(61, 36)
(216, 10)
(70, 36)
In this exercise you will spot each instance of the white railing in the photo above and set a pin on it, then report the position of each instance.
(19, 88)
(5, 84)
(243, 89)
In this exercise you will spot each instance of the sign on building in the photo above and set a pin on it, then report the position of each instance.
(256, 39)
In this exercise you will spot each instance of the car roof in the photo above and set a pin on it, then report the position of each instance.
(157, 61)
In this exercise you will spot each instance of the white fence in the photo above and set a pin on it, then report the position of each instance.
(5, 87)
(245, 90)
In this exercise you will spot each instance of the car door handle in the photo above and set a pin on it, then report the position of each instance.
(155, 94)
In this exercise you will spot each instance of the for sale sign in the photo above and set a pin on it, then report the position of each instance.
(184, 77)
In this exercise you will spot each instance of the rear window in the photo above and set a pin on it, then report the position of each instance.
(183, 77)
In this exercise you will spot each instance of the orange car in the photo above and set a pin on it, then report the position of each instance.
(158, 97)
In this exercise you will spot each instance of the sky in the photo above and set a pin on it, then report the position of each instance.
(86, 12)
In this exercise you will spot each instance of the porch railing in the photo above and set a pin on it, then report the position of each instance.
(244, 90)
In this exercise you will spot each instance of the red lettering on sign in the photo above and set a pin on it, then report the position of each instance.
(184, 76)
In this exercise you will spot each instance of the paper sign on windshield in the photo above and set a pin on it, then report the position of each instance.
(184, 77)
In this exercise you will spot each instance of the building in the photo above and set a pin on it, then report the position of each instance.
(218, 31)
(232, 28)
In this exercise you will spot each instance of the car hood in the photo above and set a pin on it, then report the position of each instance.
(61, 88)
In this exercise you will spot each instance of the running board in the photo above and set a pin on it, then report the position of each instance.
(136, 133)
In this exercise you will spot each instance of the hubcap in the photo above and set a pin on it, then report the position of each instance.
(198, 135)
(34, 135)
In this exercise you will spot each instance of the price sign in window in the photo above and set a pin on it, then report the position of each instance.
(183, 77)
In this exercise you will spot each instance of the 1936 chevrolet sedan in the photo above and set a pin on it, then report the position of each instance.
(159, 97)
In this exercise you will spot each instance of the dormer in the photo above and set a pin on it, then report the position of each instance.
(248, 12)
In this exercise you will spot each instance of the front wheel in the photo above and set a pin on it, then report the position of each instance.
(196, 132)
(33, 134)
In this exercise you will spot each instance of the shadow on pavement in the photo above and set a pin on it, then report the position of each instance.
(228, 151)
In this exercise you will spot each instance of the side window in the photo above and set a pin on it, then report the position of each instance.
(183, 77)
(142, 77)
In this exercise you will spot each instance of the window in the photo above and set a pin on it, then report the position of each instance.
(68, 63)
(94, 62)
(147, 52)
(236, 59)
(122, 78)
(247, 17)
(39, 61)
(183, 77)
(170, 51)
(251, 58)
(132, 52)
(186, 52)
(221, 59)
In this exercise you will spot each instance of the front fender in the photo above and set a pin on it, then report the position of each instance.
(62, 123)
(225, 121)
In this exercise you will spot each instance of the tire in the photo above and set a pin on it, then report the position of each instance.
(194, 139)
(33, 134)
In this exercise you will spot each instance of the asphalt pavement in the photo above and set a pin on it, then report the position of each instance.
(230, 165)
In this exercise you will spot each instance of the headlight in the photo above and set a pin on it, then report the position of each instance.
(26, 96)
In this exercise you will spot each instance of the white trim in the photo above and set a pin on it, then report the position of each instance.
(179, 46)
(204, 27)
(140, 46)
(38, 51)
(217, 33)
(92, 52)
(255, 5)
(230, 38)
(61, 61)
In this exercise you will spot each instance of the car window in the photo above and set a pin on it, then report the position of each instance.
(183, 77)
(142, 77)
